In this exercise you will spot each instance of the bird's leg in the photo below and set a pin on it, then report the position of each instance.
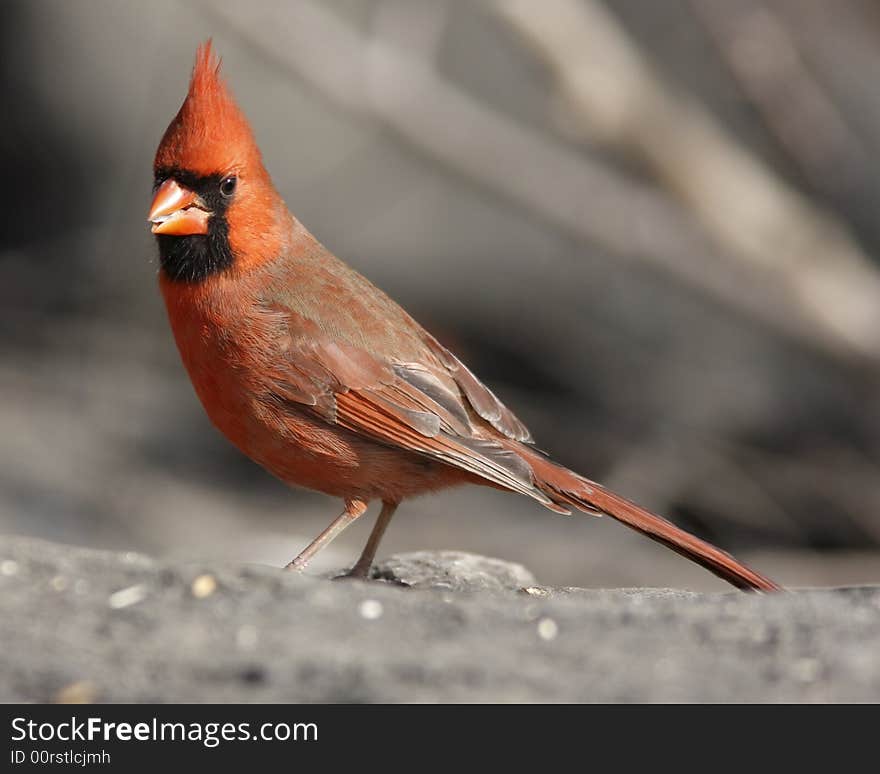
(353, 509)
(361, 568)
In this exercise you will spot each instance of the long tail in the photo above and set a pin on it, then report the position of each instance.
(566, 488)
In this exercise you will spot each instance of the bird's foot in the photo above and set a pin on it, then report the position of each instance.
(358, 572)
(369, 575)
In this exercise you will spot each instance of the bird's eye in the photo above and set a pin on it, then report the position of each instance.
(227, 186)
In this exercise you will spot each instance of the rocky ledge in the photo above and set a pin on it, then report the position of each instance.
(82, 625)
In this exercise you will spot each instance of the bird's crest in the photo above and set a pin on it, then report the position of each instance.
(209, 134)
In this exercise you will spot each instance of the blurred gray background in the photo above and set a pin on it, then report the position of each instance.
(651, 227)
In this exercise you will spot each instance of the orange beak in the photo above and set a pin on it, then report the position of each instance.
(177, 210)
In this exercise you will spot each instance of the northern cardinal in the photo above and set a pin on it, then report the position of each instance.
(316, 374)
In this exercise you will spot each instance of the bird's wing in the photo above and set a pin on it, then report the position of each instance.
(434, 406)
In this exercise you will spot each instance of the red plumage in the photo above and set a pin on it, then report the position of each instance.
(315, 373)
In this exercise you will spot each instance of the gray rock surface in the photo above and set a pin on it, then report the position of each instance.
(453, 571)
(82, 625)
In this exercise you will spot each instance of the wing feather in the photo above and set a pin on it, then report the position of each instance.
(435, 407)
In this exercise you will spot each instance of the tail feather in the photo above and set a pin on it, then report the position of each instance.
(567, 488)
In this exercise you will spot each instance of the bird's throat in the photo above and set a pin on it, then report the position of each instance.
(194, 258)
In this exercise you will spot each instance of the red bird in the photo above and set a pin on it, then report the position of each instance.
(316, 374)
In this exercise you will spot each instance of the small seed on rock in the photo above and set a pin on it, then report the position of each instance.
(80, 692)
(127, 597)
(59, 583)
(547, 629)
(8, 567)
(371, 609)
(204, 586)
